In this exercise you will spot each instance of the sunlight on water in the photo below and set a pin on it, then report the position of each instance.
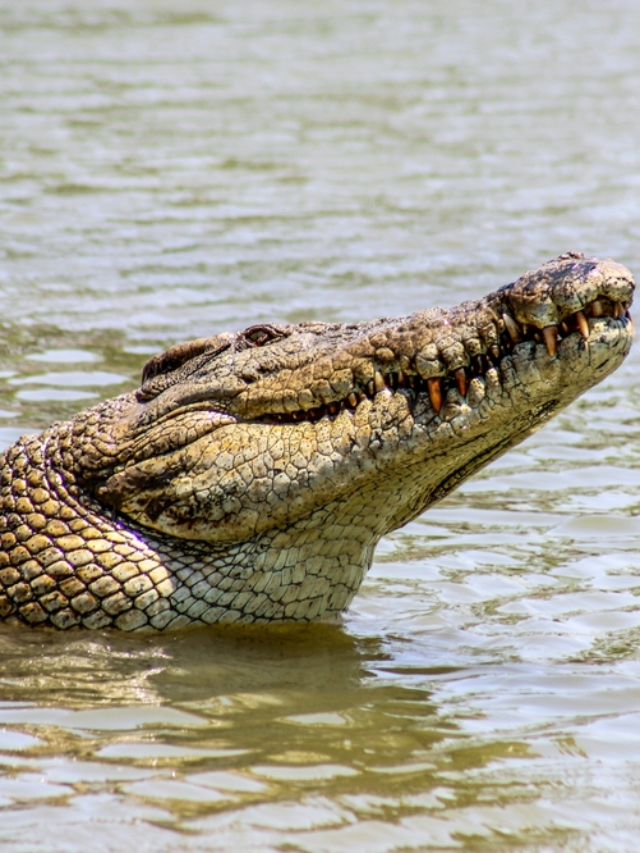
(168, 172)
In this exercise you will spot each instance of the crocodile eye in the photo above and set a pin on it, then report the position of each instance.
(258, 336)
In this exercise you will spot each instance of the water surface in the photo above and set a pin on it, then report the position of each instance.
(167, 173)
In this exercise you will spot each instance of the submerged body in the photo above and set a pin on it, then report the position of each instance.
(251, 476)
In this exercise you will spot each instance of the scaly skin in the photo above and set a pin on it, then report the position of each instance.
(252, 475)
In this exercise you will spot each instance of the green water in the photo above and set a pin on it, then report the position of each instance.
(169, 171)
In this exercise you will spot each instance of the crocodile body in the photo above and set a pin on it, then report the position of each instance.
(251, 476)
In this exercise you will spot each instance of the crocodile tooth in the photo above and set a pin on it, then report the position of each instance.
(401, 378)
(361, 396)
(435, 394)
(461, 381)
(596, 308)
(479, 365)
(333, 408)
(370, 388)
(392, 380)
(618, 310)
(495, 350)
(583, 324)
(564, 327)
(378, 381)
(512, 327)
(550, 334)
(353, 400)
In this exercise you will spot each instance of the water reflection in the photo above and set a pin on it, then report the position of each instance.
(210, 724)
(262, 675)
(219, 717)
(219, 732)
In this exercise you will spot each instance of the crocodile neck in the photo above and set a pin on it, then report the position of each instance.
(83, 566)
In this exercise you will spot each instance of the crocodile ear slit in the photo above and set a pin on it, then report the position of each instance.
(173, 358)
(157, 372)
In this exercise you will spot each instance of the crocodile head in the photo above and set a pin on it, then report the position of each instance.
(354, 429)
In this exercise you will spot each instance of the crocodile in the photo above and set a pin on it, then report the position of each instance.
(251, 476)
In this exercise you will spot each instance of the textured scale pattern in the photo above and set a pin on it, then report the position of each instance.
(253, 474)
(63, 564)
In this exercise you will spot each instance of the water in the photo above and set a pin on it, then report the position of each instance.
(170, 171)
